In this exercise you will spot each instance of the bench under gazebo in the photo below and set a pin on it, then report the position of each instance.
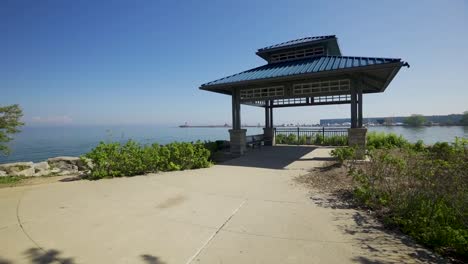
(305, 72)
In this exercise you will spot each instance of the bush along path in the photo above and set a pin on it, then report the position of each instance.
(109, 160)
(422, 190)
(317, 139)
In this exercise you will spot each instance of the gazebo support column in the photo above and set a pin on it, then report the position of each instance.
(269, 131)
(237, 135)
(357, 134)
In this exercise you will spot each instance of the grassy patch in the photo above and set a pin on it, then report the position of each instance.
(10, 180)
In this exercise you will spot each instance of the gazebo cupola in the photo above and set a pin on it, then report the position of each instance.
(301, 49)
(305, 72)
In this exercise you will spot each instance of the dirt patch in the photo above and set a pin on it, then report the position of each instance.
(327, 179)
(330, 185)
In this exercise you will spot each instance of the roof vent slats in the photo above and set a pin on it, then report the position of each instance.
(300, 49)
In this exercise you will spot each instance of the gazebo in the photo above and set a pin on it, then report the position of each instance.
(305, 72)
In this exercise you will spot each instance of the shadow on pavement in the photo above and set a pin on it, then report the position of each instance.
(4, 261)
(149, 259)
(276, 157)
(39, 256)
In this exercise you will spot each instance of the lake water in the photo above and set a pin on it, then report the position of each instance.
(39, 143)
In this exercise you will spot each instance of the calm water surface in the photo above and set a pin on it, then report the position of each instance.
(39, 143)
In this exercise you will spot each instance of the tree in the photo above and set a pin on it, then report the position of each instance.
(9, 122)
(415, 120)
(464, 119)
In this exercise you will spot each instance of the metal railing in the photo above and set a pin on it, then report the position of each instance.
(308, 135)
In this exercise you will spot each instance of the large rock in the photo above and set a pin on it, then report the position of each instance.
(41, 169)
(3, 173)
(18, 168)
(66, 163)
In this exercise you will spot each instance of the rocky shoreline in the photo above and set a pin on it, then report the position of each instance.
(59, 166)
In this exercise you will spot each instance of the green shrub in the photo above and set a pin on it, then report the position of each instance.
(342, 154)
(316, 139)
(215, 146)
(291, 139)
(116, 160)
(280, 138)
(424, 192)
(302, 140)
(335, 141)
(380, 140)
(418, 146)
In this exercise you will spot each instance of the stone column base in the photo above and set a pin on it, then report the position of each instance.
(357, 139)
(238, 142)
(269, 136)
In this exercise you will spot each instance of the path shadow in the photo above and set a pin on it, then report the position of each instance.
(40, 256)
(5, 261)
(149, 259)
(275, 157)
(382, 245)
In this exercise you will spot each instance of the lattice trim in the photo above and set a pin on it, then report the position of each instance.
(290, 101)
(265, 92)
(322, 87)
(298, 54)
(332, 98)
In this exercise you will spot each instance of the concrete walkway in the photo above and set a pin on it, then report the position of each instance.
(248, 210)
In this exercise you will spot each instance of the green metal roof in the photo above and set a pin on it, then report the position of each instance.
(330, 43)
(301, 67)
(296, 42)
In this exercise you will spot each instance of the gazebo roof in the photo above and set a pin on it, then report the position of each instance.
(299, 67)
(308, 67)
(380, 71)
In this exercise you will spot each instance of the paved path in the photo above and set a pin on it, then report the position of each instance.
(248, 210)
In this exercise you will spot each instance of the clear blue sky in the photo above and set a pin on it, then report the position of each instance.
(139, 62)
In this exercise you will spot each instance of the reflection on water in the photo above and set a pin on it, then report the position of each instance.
(40, 143)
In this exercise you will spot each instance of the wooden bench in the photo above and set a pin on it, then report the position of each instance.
(255, 140)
